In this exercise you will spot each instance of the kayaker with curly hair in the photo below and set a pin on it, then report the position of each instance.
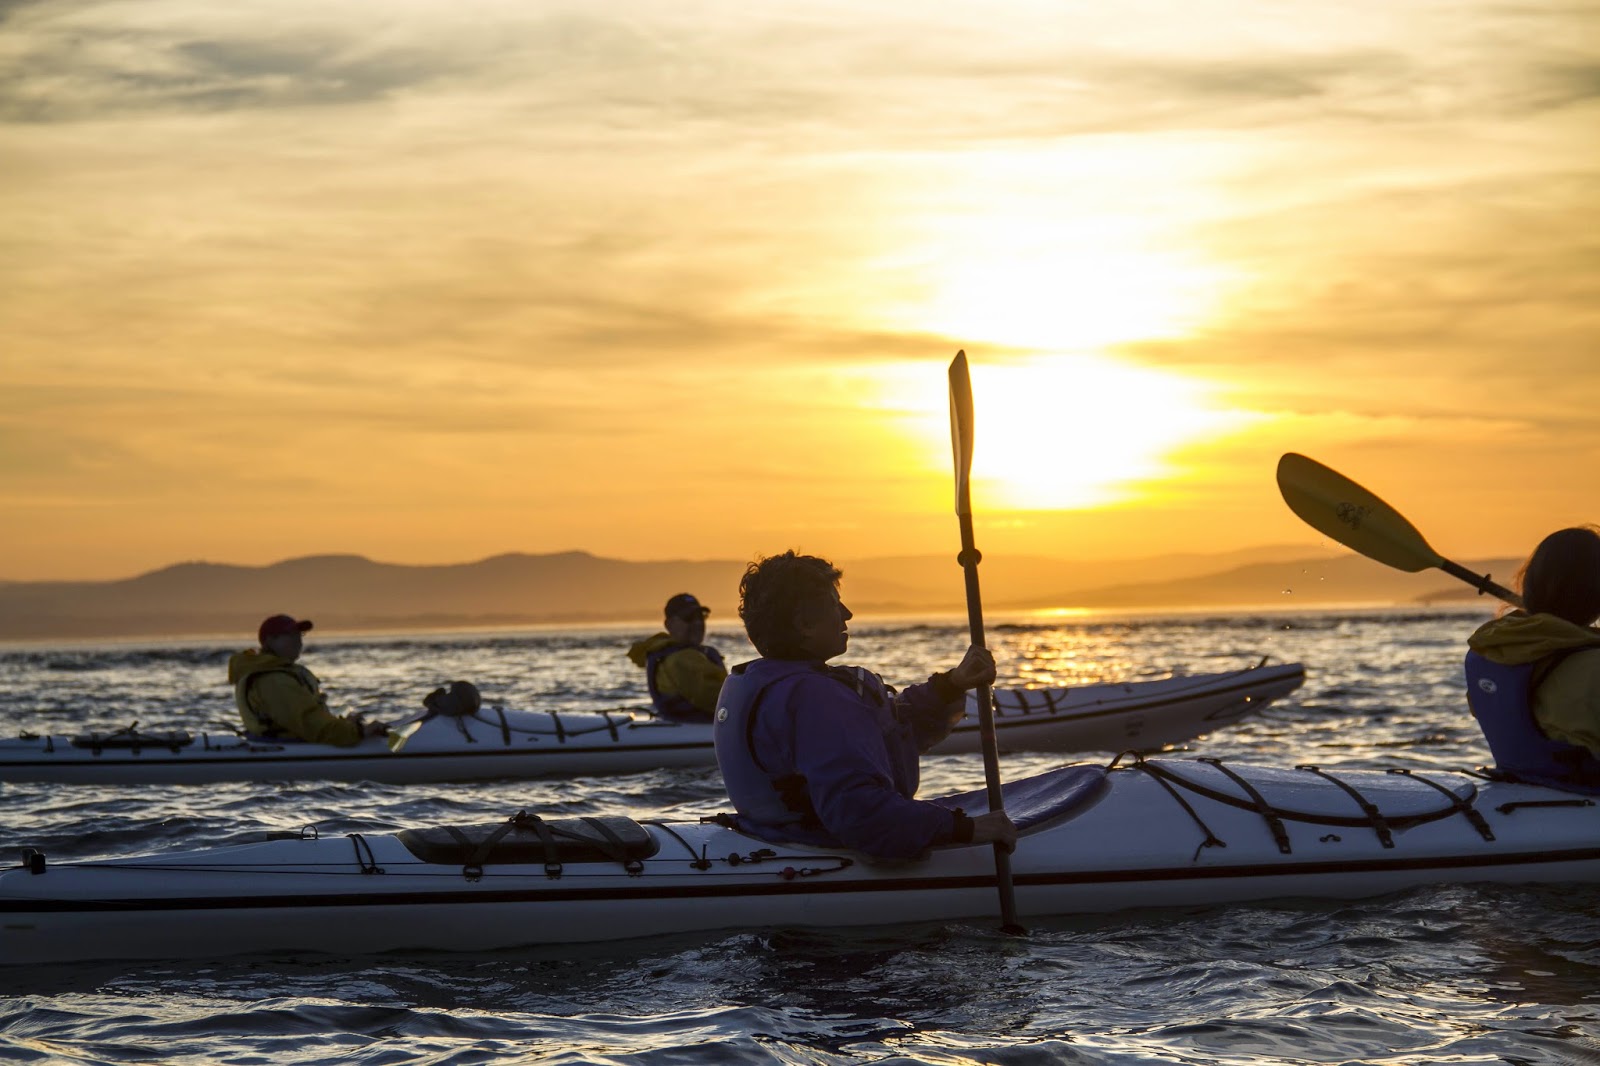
(1533, 676)
(822, 755)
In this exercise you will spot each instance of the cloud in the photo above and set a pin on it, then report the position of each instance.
(63, 72)
(828, 75)
(449, 239)
(8, 8)
(1567, 84)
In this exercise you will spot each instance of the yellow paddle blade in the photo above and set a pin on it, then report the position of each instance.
(1337, 507)
(961, 429)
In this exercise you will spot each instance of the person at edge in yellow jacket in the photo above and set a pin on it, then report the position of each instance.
(278, 697)
(1561, 590)
(684, 674)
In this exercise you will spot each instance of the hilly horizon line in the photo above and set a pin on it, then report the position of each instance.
(353, 593)
(1276, 551)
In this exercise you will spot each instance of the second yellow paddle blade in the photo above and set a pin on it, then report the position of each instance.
(1334, 505)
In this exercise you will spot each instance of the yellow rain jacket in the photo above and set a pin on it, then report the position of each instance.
(278, 697)
(1566, 703)
(686, 673)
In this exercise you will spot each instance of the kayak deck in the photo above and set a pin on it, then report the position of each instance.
(1156, 833)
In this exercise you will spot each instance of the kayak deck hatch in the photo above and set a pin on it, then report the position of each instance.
(527, 838)
(133, 740)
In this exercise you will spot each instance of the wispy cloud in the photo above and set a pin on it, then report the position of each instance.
(393, 225)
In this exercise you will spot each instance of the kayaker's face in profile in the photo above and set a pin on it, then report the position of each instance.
(286, 646)
(820, 625)
(687, 629)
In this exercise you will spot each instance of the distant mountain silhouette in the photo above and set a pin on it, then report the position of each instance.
(1344, 579)
(353, 592)
(350, 592)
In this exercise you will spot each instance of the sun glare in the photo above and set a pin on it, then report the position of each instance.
(1080, 256)
(1046, 293)
(1068, 432)
(1078, 433)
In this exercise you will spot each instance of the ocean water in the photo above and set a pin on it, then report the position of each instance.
(1491, 974)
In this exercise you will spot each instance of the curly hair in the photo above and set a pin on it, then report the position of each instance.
(1562, 576)
(771, 592)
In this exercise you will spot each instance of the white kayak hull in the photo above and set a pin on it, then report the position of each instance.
(1125, 843)
(497, 744)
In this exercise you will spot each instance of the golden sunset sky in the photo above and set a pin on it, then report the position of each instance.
(429, 282)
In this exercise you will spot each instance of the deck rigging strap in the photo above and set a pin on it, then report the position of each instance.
(1507, 808)
(547, 839)
(1380, 825)
(613, 847)
(1279, 834)
(472, 867)
(1211, 839)
(1252, 800)
(364, 856)
(698, 862)
(1457, 804)
(606, 841)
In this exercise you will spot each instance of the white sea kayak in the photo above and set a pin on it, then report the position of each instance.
(499, 743)
(1154, 833)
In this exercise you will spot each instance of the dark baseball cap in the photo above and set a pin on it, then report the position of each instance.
(684, 605)
(278, 625)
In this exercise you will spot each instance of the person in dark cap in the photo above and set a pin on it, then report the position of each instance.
(683, 672)
(277, 697)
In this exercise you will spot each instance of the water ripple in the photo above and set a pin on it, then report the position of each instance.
(1499, 974)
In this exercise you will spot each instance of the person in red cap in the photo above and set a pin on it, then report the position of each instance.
(277, 697)
(684, 674)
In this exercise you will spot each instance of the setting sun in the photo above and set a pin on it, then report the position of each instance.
(1068, 434)
(1071, 432)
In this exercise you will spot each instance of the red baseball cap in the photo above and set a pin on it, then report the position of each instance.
(278, 625)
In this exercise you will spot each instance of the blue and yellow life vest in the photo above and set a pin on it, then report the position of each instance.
(1501, 698)
(674, 706)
